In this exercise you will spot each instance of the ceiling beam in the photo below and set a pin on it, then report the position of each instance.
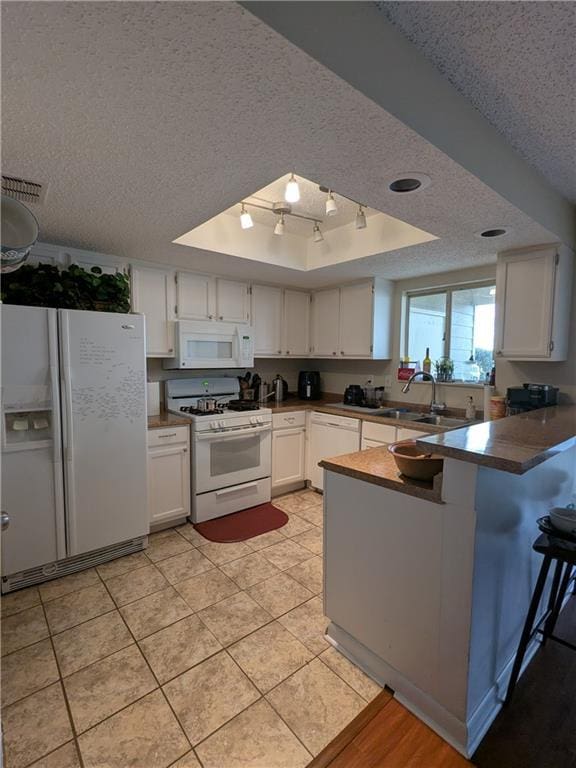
(356, 42)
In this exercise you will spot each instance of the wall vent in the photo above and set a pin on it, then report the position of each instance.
(23, 189)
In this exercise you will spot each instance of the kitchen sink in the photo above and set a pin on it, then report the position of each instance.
(442, 421)
(398, 414)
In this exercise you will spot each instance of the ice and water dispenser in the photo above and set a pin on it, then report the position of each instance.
(25, 427)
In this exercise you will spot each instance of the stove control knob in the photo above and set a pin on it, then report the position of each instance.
(221, 424)
(213, 424)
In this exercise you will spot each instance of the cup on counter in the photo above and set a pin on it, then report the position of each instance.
(497, 407)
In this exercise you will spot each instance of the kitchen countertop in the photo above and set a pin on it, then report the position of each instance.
(377, 466)
(165, 419)
(514, 444)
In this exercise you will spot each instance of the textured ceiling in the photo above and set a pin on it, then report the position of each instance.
(516, 63)
(148, 118)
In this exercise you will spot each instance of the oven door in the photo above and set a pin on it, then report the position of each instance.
(222, 459)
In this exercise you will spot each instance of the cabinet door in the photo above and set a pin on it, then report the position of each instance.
(195, 296)
(296, 323)
(168, 483)
(325, 322)
(525, 304)
(232, 301)
(367, 443)
(153, 296)
(288, 446)
(267, 320)
(356, 316)
(410, 434)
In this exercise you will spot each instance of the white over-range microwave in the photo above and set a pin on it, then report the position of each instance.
(200, 344)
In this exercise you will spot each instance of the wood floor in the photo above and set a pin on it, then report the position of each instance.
(387, 735)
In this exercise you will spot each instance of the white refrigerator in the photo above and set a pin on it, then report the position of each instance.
(73, 441)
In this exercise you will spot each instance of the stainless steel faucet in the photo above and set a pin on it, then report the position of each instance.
(434, 406)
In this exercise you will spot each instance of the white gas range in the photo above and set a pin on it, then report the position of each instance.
(231, 459)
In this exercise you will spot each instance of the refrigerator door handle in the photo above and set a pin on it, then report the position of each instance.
(68, 437)
(57, 435)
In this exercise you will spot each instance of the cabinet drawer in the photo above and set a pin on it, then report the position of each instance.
(167, 436)
(411, 434)
(383, 433)
(292, 419)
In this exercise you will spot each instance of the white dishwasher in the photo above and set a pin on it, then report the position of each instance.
(330, 436)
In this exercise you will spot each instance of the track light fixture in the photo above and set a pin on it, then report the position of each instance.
(279, 228)
(245, 218)
(292, 192)
(360, 219)
(331, 207)
(317, 234)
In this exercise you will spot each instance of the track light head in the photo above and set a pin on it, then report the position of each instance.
(317, 234)
(279, 228)
(360, 219)
(245, 218)
(292, 191)
(331, 207)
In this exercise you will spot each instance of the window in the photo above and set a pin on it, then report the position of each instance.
(455, 322)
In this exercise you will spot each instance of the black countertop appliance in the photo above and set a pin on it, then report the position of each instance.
(529, 397)
(354, 395)
(309, 385)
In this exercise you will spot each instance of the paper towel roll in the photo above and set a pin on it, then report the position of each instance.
(488, 393)
(153, 398)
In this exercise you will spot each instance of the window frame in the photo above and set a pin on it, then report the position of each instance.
(449, 290)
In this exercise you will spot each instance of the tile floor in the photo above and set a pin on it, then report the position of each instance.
(191, 655)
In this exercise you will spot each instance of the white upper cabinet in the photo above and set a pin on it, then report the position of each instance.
(195, 296)
(267, 320)
(232, 301)
(533, 298)
(325, 321)
(87, 260)
(296, 323)
(353, 321)
(356, 317)
(153, 296)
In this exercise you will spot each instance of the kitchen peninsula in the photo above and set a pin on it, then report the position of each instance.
(427, 590)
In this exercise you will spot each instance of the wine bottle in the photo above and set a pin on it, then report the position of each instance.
(427, 363)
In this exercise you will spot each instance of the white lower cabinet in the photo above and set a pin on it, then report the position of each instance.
(168, 475)
(288, 451)
(410, 434)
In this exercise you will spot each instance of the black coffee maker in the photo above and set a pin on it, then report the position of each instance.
(309, 385)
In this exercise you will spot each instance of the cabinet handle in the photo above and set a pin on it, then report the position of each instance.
(279, 352)
(5, 518)
(221, 317)
(210, 317)
(341, 351)
(499, 352)
(171, 349)
(184, 450)
(333, 353)
(287, 351)
(172, 434)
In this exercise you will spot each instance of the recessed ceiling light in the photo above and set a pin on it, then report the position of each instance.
(408, 182)
(496, 232)
(292, 191)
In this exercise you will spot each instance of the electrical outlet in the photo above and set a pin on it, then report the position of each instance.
(387, 381)
(370, 380)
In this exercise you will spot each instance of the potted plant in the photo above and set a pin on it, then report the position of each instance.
(444, 369)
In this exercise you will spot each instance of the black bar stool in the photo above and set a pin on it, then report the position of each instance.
(561, 548)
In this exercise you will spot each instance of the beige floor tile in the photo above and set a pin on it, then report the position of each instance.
(285, 554)
(188, 761)
(63, 757)
(72, 609)
(136, 584)
(316, 704)
(310, 496)
(166, 544)
(27, 671)
(309, 573)
(294, 504)
(350, 673)
(89, 642)
(184, 566)
(256, 738)
(144, 735)
(249, 570)
(264, 540)
(191, 534)
(22, 629)
(308, 623)
(234, 617)
(206, 589)
(279, 594)
(122, 565)
(224, 553)
(270, 655)
(154, 612)
(294, 526)
(313, 514)
(103, 688)
(60, 587)
(179, 647)
(35, 726)
(312, 539)
(19, 601)
(210, 694)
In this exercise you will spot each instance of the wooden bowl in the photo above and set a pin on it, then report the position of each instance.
(415, 463)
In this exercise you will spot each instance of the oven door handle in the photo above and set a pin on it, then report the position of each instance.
(235, 489)
(233, 434)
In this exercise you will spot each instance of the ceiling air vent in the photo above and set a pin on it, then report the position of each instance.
(23, 189)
